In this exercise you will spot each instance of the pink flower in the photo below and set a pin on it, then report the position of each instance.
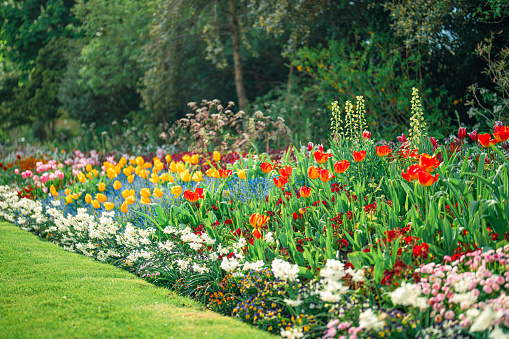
(69, 162)
(310, 146)
(52, 176)
(16, 171)
(449, 315)
(45, 189)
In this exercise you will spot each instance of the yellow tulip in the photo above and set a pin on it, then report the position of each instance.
(130, 178)
(195, 159)
(102, 186)
(101, 197)
(173, 167)
(241, 174)
(88, 168)
(67, 191)
(126, 171)
(172, 179)
(130, 200)
(154, 178)
(185, 158)
(81, 177)
(158, 193)
(216, 156)
(68, 199)
(122, 161)
(181, 167)
(123, 207)
(111, 173)
(185, 176)
(197, 176)
(147, 165)
(137, 170)
(145, 200)
(164, 177)
(176, 191)
(127, 193)
(95, 172)
(88, 198)
(117, 185)
(96, 204)
(132, 161)
(144, 174)
(145, 192)
(76, 195)
(90, 175)
(118, 169)
(167, 158)
(158, 166)
(109, 205)
(139, 161)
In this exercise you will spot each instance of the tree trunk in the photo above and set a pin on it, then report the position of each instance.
(237, 63)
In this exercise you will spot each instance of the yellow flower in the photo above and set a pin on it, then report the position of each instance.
(95, 172)
(122, 161)
(180, 167)
(144, 174)
(147, 165)
(102, 186)
(176, 191)
(130, 200)
(172, 180)
(158, 166)
(127, 193)
(123, 207)
(111, 173)
(185, 158)
(76, 195)
(130, 178)
(145, 200)
(216, 156)
(109, 205)
(194, 159)
(90, 175)
(210, 172)
(197, 176)
(68, 199)
(88, 198)
(139, 161)
(185, 176)
(164, 177)
(67, 191)
(81, 177)
(167, 158)
(158, 193)
(101, 197)
(154, 178)
(88, 168)
(117, 185)
(241, 174)
(145, 192)
(96, 204)
(173, 167)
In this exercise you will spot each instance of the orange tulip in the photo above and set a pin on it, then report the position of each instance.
(158, 193)
(280, 181)
(382, 151)
(193, 196)
(130, 178)
(502, 134)
(127, 193)
(109, 205)
(321, 157)
(117, 185)
(426, 179)
(341, 166)
(145, 192)
(88, 198)
(258, 220)
(129, 200)
(101, 197)
(145, 200)
(225, 173)
(164, 177)
(313, 172)
(96, 204)
(325, 175)
(305, 192)
(123, 207)
(485, 140)
(286, 171)
(428, 163)
(266, 167)
(359, 156)
(102, 186)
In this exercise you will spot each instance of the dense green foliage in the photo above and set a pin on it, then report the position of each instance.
(145, 60)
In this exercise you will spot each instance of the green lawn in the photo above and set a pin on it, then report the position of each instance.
(46, 292)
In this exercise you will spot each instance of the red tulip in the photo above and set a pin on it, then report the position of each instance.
(433, 141)
(485, 140)
(341, 166)
(286, 171)
(325, 175)
(225, 173)
(496, 126)
(473, 136)
(502, 134)
(382, 151)
(310, 146)
(412, 173)
(426, 179)
(313, 172)
(359, 156)
(321, 157)
(428, 163)
(266, 167)
(366, 135)
(193, 196)
(402, 138)
(280, 181)
(305, 192)
(462, 133)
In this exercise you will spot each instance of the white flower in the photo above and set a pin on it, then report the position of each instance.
(292, 333)
(333, 270)
(357, 275)
(293, 303)
(497, 333)
(370, 321)
(229, 265)
(485, 320)
(408, 295)
(284, 270)
(195, 245)
(269, 238)
(254, 266)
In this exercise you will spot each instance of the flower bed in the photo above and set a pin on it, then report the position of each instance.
(363, 240)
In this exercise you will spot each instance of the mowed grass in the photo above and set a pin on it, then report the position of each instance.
(46, 292)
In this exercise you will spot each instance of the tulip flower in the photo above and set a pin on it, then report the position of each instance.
(462, 133)
(193, 196)
(68, 199)
(164, 177)
(139, 161)
(286, 171)
(67, 191)
(127, 193)
(241, 174)
(212, 172)
(88, 198)
(88, 168)
(313, 172)
(496, 126)
(325, 175)
(130, 178)
(412, 173)
(180, 167)
(310, 146)
(144, 174)
(145, 200)
(341, 166)
(473, 136)
(185, 176)
(305, 192)
(359, 156)
(109, 205)
(123, 207)
(225, 173)
(167, 158)
(216, 156)
(96, 204)
(81, 177)
(176, 191)
(383, 151)
(428, 163)
(320, 147)
(402, 138)
(100, 197)
(321, 157)
(502, 134)
(257, 221)
(173, 167)
(102, 186)
(197, 176)
(185, 158)
(154, 178)
(280, 181)
(158, 193)
(194, 159)
(117, 185)
(485, 140)
(266, 167)
(145, 192)
(433, 141)
(366, 135)
(130, 200)
(111, 173)
(426, 179)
